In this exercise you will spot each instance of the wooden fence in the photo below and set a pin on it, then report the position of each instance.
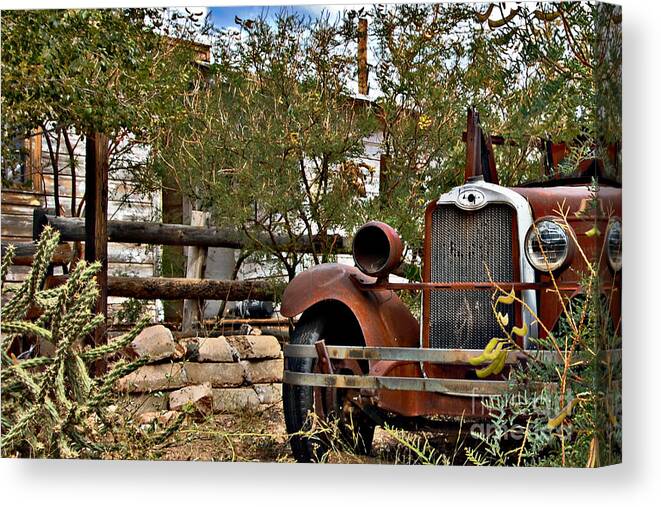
(195, 288)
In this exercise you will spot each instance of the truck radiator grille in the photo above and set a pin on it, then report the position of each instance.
(462, 242)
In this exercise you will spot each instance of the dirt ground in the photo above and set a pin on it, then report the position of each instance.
(261, 436)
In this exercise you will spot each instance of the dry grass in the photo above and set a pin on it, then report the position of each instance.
(255, 435)
(260, 435)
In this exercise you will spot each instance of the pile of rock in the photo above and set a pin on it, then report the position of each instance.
(216, 374)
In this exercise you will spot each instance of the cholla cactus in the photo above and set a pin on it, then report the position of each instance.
(51, 407)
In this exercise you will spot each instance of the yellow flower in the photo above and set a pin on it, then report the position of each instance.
(507, 300)
(424, 122)
(503, 319)
(520, 331)
(593, 232)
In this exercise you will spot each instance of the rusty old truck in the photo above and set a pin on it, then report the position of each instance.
(357, 353)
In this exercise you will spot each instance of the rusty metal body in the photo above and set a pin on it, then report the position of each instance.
(383, 318)
(421, 368)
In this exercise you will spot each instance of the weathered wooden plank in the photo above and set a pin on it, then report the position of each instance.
(130, 211)
(373, 146)
(130, 269)
(117, 210)
(123, 200)
(21, 270)
(64, 163)
(18, 273)
(65, 186)
(119, 190)
(13, 284)
(18, 209)
(65, 203)
(18, 226)
(21, 197)
(130, 253)
(77, 142)
(6, 238)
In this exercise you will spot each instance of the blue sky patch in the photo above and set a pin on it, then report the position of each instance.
(224, 16)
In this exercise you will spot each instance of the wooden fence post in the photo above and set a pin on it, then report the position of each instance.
(195, 264)
(96, 218)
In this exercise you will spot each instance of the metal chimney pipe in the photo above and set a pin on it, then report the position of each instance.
(363, 87)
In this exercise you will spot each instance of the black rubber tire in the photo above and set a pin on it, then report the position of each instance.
(298, 402)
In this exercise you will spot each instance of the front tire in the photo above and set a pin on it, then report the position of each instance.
(357, 432)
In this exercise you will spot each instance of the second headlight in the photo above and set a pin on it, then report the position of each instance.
(614, 244)
(547, 245)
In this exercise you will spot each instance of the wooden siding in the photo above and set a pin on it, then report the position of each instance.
(124, 203)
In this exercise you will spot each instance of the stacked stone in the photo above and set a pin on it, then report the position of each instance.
(219, 374)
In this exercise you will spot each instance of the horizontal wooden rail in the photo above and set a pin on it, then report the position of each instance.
(24, 253)
(182, 288)
(154, 233)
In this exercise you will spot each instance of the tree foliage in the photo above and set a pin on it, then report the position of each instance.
(531, 69)
(271, 143)
(274, 143)
(120, 72)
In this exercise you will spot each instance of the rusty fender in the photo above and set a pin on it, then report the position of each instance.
(384, 319)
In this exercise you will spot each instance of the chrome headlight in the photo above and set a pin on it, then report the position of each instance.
(614, 244)
(547, 245)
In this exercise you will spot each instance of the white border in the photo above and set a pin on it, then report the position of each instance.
(634, 483)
